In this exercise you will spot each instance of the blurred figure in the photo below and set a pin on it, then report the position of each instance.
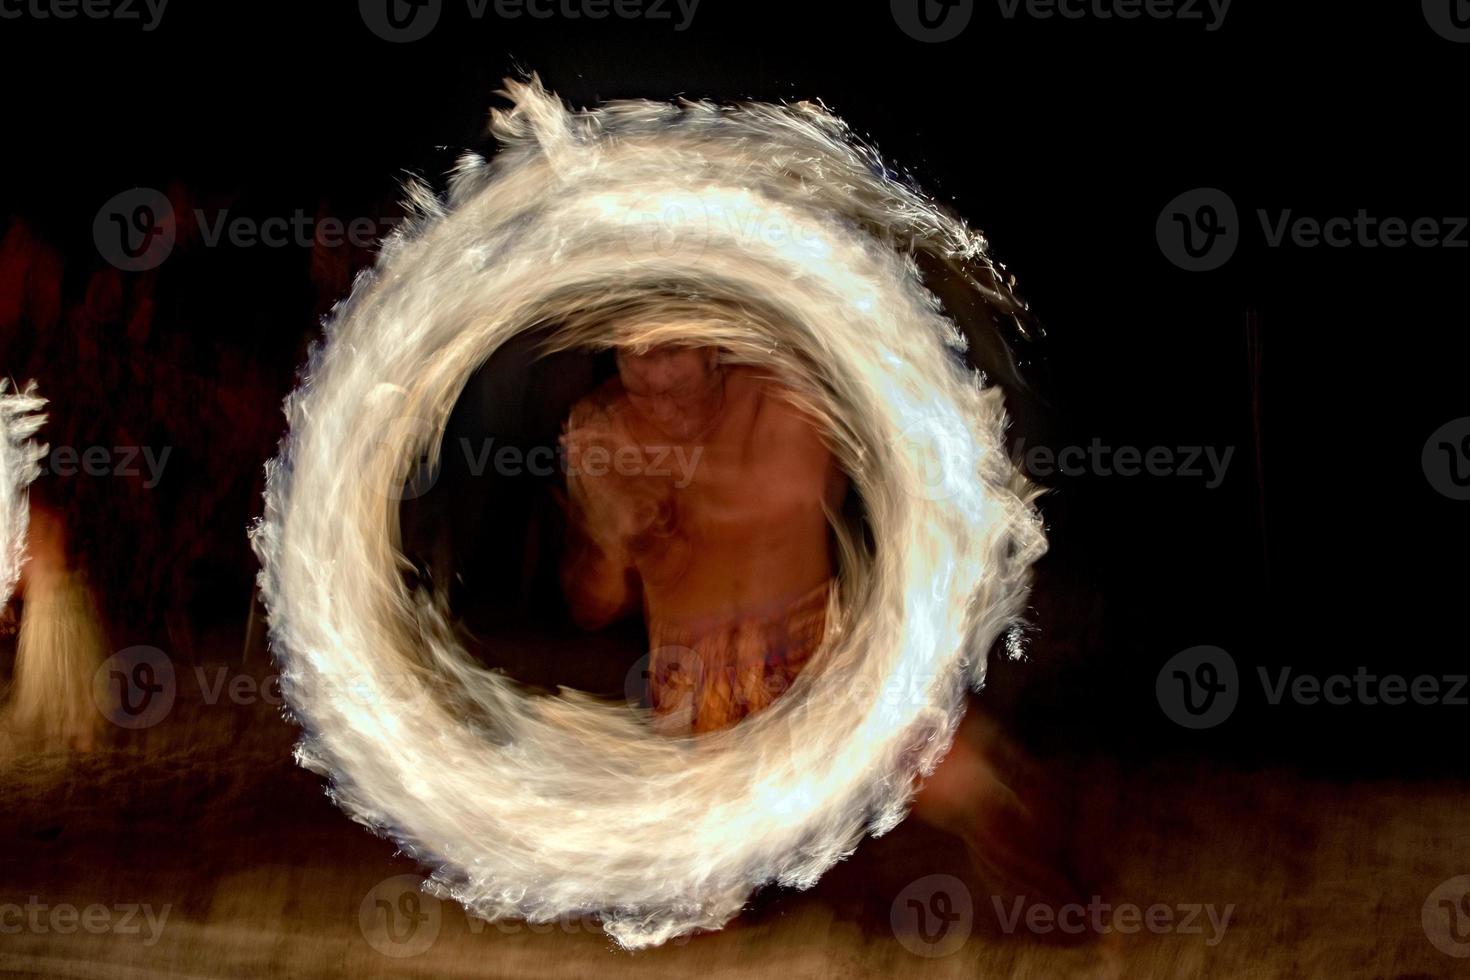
(700, 494)
(59, 647)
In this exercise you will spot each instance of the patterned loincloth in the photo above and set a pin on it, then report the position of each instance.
(707, 674)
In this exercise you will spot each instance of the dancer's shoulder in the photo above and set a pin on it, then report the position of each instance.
(781, 411)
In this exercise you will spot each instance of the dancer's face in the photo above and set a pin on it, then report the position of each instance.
(676, 390)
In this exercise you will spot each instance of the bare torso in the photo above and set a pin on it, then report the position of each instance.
(749, 528)
(742, 525)
(720, 538)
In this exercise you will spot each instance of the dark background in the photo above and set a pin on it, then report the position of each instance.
(1061, 139)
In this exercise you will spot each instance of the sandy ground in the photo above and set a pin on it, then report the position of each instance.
(197, 849)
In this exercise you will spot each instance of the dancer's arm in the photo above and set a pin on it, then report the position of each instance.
(598, 573)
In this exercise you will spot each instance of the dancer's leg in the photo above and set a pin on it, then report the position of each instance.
(986, 793)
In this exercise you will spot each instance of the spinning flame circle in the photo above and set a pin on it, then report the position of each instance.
(770, 232)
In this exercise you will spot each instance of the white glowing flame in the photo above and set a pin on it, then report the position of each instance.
(20, 463)
(788, 243)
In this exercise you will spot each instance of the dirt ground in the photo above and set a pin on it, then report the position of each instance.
(197, 849)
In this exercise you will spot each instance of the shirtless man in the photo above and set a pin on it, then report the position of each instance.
(731, 565)
(729, 562)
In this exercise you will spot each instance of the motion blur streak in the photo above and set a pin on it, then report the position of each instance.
(20, 464)
(60, 644)
(790, 246)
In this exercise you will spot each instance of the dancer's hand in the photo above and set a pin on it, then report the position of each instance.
(613, 499)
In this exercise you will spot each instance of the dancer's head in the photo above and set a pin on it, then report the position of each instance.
(677, 390)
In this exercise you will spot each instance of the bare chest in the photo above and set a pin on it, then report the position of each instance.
(749, 490)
